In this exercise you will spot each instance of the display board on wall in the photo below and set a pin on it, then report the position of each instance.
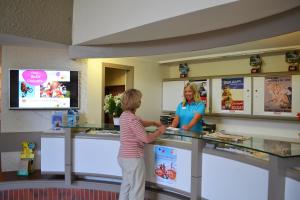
(276, 95)
(173, 93)
(231, 95)
(272, 95)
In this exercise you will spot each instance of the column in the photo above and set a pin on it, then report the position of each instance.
(68, 156)
(196, 179)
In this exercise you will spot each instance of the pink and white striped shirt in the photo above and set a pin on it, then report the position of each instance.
(132, 136)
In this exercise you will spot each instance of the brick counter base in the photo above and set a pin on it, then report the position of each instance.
(57, 194)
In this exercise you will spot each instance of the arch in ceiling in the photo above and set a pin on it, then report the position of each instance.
(279, 24)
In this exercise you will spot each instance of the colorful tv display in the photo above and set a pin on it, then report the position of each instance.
(43, 89)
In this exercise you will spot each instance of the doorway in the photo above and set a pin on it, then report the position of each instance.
(117, 78)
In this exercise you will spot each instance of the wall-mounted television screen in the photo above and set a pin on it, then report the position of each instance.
(43, 89)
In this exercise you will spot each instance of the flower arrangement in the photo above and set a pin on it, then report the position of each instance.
(112, 105)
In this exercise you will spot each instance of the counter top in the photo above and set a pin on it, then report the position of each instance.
(272, 146)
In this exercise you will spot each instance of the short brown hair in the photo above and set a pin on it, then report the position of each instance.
(131, 99)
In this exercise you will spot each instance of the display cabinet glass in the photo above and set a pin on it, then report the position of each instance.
(282, 149)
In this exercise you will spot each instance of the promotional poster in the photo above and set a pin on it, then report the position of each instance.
(57, 120)
(202, 86)
(232, 94)
(40, 88)
(278, 94)
(165, 164)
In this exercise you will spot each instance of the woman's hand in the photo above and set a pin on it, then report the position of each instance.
(194, 121)
(147, 123)
(185, 127)
(175, 121)
(157, 123)
(162, 129)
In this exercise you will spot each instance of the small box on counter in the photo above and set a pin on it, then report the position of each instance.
(71, 118)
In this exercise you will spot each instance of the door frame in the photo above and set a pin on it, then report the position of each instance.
(129, 76)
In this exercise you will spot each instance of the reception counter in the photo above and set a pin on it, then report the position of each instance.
(256, 168)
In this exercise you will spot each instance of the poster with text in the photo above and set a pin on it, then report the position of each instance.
(278, 94)
(202, 87)
(165, 164)
(44, 89)
(232, 94)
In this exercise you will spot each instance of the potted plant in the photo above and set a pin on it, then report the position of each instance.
(112, 106)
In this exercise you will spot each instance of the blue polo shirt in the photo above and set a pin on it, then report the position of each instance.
(187, 113)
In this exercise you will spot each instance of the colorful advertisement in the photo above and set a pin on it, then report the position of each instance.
(57, 120)
(232, 94)
(202, 87)
(44, 89)
(278, 94)
(165, 164)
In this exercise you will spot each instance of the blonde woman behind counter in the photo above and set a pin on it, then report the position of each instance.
(132, 140)
(190, 111)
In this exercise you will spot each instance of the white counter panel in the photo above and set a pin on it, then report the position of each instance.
(183, 168)
(53, 154)
(96, 156)
(292, 189)
(227, 179)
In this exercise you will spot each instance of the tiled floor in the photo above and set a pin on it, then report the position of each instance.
(49, 193)
(57, 194)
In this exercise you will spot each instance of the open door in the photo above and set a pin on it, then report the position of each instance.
(117, 78)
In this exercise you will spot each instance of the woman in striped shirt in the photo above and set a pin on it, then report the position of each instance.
(132, 140)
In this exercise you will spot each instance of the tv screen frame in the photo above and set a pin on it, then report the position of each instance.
(76, 76)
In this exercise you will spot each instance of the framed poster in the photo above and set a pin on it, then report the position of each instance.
(203, 89)
(231, 95)
(276, 95)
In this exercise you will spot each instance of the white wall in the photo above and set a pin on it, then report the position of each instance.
(94, 90)
(271, 63)
(147, 79)
(29, 57)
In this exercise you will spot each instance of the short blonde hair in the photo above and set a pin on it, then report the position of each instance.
(194, 88)
(131, 99)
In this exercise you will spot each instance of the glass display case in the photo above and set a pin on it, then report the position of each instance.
(282, 149)
(281, 155)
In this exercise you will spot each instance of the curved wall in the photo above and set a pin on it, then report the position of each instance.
(283, 23)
